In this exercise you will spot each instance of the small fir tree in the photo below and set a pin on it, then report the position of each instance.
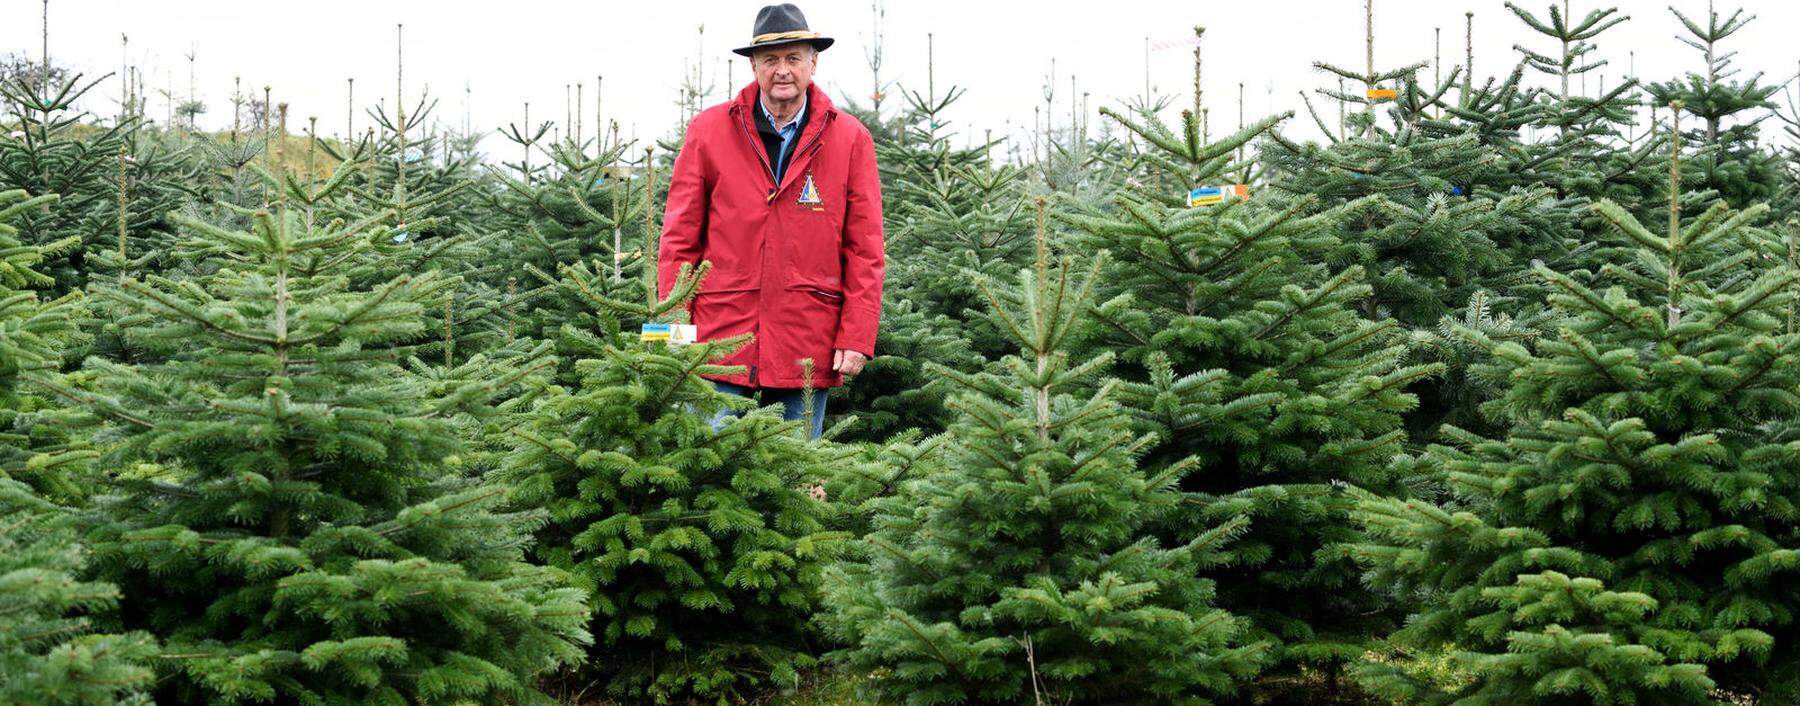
(702, 549)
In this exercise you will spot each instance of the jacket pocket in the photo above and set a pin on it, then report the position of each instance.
(814, 309)
(828, 296)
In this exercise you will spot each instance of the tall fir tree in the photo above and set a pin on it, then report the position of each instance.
(113, 186)
(584, 206)
(949, 212)
(1636, 521)
(1022, 567)
(290, 533)
(1733, 163)
(1246, 353)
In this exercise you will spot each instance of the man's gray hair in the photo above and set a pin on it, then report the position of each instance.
(758, 52)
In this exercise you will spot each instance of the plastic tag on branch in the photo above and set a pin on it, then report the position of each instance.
(672, 334)
(1378, 94)
(1209, 195)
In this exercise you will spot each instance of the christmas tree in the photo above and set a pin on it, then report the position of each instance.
(585, 207)
(948, 212)
(1246, 354)
(702, 549)
(35, 447)
(47, 654)
(113, 187)
(288, 530)
(1635, 521)
(1022, 568)
(1734, 163)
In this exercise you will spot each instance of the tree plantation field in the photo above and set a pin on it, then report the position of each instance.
(1447, 388)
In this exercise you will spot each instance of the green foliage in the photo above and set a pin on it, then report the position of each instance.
(1020, 567)
(591, 208)
(35, 446)
(702, 550)
(1247, 355)
(101, 176)
(1651, 447)
(950, 214)
(300, 540)
(48, 654)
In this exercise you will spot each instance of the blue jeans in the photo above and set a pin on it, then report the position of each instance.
(793, 404)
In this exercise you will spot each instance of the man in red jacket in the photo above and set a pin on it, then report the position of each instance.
(779, 191)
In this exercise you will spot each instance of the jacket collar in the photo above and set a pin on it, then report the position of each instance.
(819, 115)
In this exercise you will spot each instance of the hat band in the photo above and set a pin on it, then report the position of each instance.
(779, 36)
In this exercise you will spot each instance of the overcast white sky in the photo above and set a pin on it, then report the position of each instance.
(511, 52)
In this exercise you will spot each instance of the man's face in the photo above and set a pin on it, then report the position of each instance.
(784, 72)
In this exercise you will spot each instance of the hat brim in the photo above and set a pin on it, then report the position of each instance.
(819, 43)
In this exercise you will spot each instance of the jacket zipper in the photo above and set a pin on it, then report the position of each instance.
(755, 145)
(755, 331)
(810, 146)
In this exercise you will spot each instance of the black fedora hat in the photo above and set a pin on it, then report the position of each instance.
(781, 24)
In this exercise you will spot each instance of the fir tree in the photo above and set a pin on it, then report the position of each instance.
(1022, 567)
(1636, 520)
(950, 212)
(35, 448)
(583, 207)
(702, 550)
(1249, 356)
(47, 654)
(296, 538)
(113, 187)
(1734, 164)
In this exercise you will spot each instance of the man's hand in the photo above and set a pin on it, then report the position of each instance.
(847, 363)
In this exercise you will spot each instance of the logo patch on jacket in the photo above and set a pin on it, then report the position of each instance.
(809, 194)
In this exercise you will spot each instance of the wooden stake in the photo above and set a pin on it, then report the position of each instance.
(649, 256)
(1369, 56)
(123, 218)
(400, 123)
(1674, 214)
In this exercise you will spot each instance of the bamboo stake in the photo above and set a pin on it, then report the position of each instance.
(123, 259)
(649, 256)
(400, 123)
(1674, 214)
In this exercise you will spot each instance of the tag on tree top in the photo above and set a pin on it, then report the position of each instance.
(673, 334)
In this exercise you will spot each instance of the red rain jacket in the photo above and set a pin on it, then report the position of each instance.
(799, 264)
